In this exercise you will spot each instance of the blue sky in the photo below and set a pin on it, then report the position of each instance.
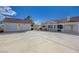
(43, 13)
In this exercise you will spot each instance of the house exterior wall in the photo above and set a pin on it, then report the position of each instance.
(9, 27)
(52, 27)
(1, 26)
(78, 27)
(24, 27)
(70, 27)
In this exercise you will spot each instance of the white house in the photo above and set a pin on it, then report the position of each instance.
(66, 25)
(49, 25)
(9, 25)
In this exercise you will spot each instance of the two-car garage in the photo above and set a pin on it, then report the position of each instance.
(10, 25)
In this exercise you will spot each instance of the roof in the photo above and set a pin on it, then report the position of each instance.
(12, 20)
(49, 22)
(61, 21)
(74, 19)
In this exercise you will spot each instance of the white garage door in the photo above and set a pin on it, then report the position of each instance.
(22, 27)
(10, 27)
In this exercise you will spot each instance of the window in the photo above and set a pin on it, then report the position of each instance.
(43, 26)
(1, 22)
(50, 26)
(31, 25)
(60, 26)
(54, 26)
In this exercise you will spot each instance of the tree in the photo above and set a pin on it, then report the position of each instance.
(29, 19)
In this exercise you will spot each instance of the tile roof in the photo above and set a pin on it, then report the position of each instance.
(74, 19)
(12, 20)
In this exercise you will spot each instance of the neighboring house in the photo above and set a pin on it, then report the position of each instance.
(71, 25)
(66, 25)
(49, 25)
(9, 25)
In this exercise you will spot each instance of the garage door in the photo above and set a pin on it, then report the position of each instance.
(10, 27)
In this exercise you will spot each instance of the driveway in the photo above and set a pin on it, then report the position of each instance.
(38, 42)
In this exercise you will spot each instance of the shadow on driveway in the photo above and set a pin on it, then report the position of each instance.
(77, 34)
(16, 32)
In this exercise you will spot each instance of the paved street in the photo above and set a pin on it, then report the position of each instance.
(38, 41)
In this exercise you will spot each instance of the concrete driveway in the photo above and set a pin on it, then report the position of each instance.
(38, 42)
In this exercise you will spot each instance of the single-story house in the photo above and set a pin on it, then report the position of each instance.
(66, 25)
(10, 24)
(48, 25)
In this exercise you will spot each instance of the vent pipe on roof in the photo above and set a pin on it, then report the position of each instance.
(68, 18)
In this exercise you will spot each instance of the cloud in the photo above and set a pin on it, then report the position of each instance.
(5, 10)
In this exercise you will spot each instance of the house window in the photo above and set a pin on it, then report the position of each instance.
(54, 26)
(50, 26)
(60, 26)
(31, 25)
(1, 22)
(43, 26)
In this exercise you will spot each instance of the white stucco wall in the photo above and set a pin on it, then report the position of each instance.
(24, 27)
(8, 27)
(68, 28)
(53, 24)
(78, 28)
(52, 29)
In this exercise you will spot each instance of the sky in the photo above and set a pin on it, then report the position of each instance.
(43, 13)
(6, 11)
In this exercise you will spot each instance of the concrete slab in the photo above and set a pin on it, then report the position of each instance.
(39, 42)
